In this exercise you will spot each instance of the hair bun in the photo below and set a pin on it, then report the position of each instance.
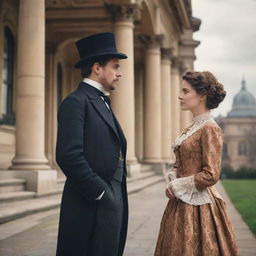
(206, 83)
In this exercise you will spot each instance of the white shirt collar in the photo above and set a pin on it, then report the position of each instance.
(96, 85)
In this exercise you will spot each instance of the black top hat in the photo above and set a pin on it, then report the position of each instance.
(97, 45)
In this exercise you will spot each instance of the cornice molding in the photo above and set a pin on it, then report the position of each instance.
(123, 12)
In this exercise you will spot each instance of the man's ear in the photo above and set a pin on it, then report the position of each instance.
(96, 68)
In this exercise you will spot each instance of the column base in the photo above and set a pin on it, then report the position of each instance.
(131, 160)
(42, 182)
(30, 164)
(133, 169)
(167, 160)
(159, 166)
(153, 160)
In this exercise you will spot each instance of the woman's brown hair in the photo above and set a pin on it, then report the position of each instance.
(205, 83)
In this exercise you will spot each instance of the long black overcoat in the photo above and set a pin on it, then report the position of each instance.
(87, 151)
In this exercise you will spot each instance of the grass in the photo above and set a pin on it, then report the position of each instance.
(243, 195)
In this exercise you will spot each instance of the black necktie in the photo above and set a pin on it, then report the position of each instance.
(107, 99)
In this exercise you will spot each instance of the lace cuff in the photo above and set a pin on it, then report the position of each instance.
(185, 190)
(172, 175)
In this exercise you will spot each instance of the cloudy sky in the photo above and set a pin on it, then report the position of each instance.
(228, 44)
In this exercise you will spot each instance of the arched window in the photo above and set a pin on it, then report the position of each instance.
(242, 148)
(59, 83)
(7, 79)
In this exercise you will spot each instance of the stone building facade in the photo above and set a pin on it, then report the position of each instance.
(37, 56)
(239, 129)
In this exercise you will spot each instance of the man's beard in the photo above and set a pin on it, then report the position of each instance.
(112, 87)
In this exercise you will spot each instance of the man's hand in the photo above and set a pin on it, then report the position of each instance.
(169, 192)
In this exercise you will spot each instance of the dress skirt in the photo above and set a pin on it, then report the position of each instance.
(202, 230)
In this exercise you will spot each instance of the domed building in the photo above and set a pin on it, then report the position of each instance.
(239, 128)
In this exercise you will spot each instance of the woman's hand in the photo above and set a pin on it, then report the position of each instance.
(169, 192)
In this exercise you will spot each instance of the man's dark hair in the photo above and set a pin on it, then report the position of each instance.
(86, 69)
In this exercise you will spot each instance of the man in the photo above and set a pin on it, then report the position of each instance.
(91, 151)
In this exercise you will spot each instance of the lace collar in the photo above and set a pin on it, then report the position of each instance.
(197, 123)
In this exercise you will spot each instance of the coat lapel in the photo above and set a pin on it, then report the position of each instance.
(120, 130)
(101, 108)
(98, 104)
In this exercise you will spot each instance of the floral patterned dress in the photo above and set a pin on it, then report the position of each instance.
(196, 223)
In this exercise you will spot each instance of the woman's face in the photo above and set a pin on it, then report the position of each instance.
(189, 98)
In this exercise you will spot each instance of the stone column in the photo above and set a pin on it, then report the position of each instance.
(184, 114)
(152, 100)
(51, 105)
(187, 57)
(139, 100)
(166, 104)
(30, 107)
(123, 99)
(175, 104)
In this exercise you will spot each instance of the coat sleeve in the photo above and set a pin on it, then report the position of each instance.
(70, 149)
(212, 142)
(192, 189)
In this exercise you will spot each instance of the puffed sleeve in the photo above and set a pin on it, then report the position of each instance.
(193, 189)
(212, 142)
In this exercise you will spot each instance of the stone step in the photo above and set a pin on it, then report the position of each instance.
(10, 210)
(16, 196)
(138, 185)
(146, 168)
(141, 176)
(61, 180)
(12, 185)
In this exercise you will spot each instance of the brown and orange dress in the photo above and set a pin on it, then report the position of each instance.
(196, 223)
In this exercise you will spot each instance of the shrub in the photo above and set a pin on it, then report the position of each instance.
(241, 173)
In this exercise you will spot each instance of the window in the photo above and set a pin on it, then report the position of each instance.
(7, 79)
(59, 83)
(242, 148)
(225, 150)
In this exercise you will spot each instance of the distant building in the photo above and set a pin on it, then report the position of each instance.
(239, 129)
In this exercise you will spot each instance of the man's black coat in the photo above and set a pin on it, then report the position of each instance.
(88, 147)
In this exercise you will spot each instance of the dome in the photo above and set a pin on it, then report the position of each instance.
(244, 103)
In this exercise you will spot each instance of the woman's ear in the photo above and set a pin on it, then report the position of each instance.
(202, 97)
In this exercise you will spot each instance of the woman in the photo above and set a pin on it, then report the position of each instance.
(195, 221)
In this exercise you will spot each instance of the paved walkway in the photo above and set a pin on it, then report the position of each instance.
(36, 235)
(246, 240)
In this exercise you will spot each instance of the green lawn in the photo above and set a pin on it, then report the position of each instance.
(243, 196)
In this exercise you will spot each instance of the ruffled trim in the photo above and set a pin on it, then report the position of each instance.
(185, 190)
(172, 175)
(198, 123)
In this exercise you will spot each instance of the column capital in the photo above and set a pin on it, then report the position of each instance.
(175, 62)
(166, 53)
(151, 40)
(183, 66)
(123, 12)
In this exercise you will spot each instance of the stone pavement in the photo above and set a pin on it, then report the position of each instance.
(36, 235)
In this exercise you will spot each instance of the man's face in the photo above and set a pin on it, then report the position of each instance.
(109, 74)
